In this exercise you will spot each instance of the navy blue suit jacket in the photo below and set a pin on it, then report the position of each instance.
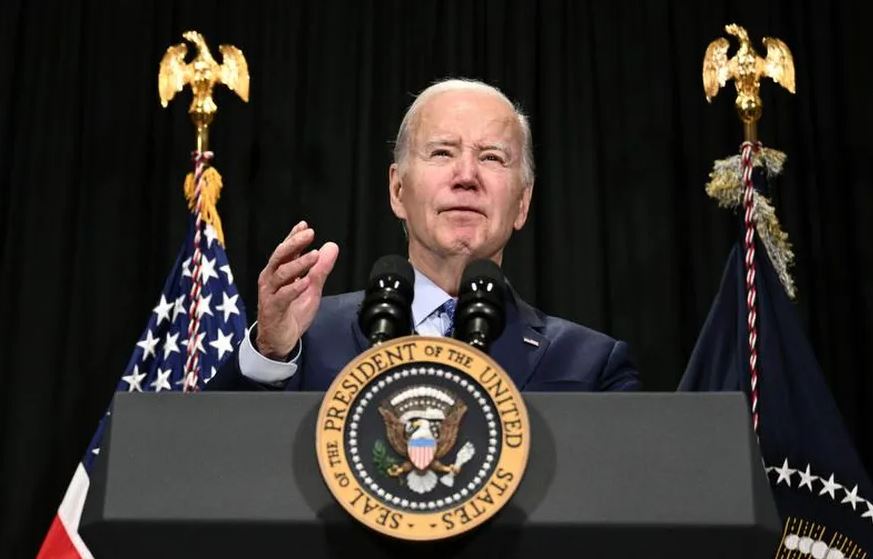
(564, 356)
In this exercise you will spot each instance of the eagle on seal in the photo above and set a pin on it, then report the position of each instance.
(422, 425)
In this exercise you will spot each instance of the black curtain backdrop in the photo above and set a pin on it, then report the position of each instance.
(622, 236)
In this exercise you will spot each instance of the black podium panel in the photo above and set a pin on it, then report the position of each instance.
(610, 475)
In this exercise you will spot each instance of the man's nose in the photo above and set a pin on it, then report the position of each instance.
(467, 170)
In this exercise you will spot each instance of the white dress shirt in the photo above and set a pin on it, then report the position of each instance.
(427, 318)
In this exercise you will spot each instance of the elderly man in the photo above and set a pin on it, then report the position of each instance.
(461, 182)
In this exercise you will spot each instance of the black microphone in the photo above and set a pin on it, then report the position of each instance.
(386, 312)
(480, 315)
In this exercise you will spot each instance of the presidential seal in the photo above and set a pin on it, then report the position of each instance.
(422, 438)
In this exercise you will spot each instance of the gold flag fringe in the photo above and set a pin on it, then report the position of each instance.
(726, 187)
(209, 192)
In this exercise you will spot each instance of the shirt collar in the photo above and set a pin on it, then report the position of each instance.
(428, 298)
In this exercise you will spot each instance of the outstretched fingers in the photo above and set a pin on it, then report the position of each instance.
(289, 249)
(291, 291)
(293, 270)
(317, 272)
(287, 262)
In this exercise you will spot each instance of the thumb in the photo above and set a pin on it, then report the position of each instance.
(327, 256)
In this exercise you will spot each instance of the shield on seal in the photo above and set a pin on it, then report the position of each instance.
(421, 451)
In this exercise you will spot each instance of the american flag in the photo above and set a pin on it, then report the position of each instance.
(158, 363)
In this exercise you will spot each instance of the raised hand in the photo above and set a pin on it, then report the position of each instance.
(289, 291)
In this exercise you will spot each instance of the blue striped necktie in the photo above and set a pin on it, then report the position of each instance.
(447, 310)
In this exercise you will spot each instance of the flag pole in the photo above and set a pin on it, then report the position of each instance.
(746, 68)
(203, 186)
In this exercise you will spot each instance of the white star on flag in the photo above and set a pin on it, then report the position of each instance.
(163, 310)
(852, 496)
(869, 513)
(134, 379)
(203, 306)
(179, 307)
(228, 305)
(784, 473)
(210, 233)
(211, 374)
(207, 269)
(170, 344)
(198, 344)
(148, 345)
(163, 380)
(222, 343)
(227, 272)
(806, 478)
(829, 486)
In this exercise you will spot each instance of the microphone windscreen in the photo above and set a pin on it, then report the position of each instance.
(386, 311)
(480, 316)
(482, 270)
(395, 265)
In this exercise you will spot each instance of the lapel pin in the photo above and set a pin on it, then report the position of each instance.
(531, 342)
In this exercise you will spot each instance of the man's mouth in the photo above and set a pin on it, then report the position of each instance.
(465, 209)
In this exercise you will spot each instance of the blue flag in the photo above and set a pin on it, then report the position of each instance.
(819, 483)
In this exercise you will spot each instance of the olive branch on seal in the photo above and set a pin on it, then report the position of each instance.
(381, 458)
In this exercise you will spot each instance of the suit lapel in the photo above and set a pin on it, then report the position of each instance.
(522, 345)
(360, 339)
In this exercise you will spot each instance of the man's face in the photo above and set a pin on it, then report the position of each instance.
(460, 187)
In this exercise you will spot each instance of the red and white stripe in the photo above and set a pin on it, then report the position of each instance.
(62, 540)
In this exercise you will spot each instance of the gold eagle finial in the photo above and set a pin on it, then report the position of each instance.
(746, 69)
(202, 73)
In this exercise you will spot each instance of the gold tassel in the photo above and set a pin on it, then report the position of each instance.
(210, 192)
(726, 187)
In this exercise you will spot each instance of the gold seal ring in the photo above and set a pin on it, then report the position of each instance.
(422, 438)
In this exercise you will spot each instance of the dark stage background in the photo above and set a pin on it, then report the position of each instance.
(622, 236)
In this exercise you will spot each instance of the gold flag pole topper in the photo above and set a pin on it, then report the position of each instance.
(727, 184)
(746, 69)
(202, 73)
(203, 186)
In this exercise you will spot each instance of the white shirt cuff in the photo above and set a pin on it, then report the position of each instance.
(263, 369)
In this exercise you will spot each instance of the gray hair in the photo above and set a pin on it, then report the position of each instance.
(401, 145)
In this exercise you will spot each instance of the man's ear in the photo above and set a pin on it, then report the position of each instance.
(523, 207)
(395, 191)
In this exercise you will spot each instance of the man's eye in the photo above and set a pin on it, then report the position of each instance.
(496, 157)
(440, 153)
